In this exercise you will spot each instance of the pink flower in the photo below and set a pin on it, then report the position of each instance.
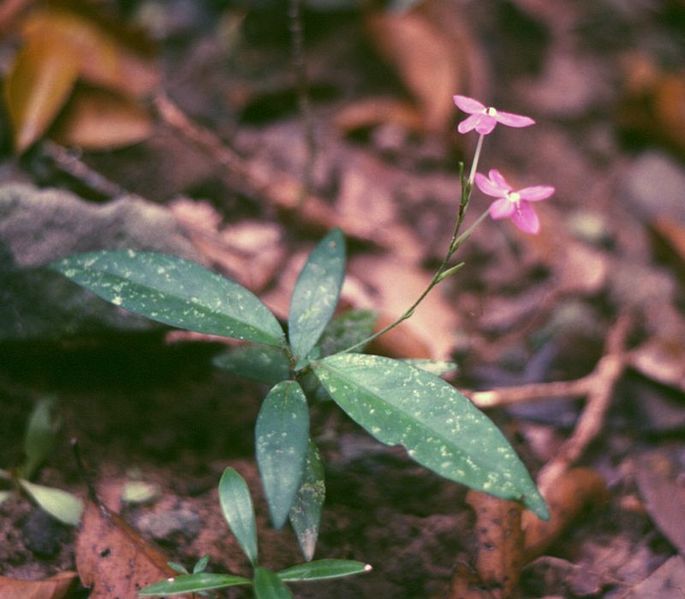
(513, 204)
(484, 119)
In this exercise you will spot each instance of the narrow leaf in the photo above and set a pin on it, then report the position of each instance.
(262, 363)
(281, 440)
(267, 585)
(316, 293)
(174, 291)
(59, 504)
(323, 569)
(305, 513)
(4, 495)
(201, 564)
(192, 583)
(40, 436)
(440, 428)
(236, 505)
(38, 86)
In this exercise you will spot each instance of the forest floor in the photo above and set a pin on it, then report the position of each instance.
(572, 340)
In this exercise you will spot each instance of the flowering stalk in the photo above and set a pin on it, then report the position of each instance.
(509, 204)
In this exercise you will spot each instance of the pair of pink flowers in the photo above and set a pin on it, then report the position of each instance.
(510, 203)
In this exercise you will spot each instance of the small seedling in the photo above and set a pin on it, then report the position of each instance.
(236, 505)
(38, 443)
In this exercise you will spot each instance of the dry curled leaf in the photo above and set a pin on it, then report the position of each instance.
(38, 86)
(54, 587)
(423, 58)
(113, 559)
(99, 120)
(60, 48)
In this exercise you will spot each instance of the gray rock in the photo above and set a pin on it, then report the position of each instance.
(164, 525)
(39, 226)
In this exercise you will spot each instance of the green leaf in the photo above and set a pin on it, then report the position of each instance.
(346, 330)
(4, 495)
(316, 293)
(59, 504)
(176, 567)
(323, 569)
(281, 440)
(261, 363)
(305, 513)
(436, 367)
(440, 428)
(174, 291)
(267, 585)
(236, 505)
(40, 436)
(192, 583)
(201, 564)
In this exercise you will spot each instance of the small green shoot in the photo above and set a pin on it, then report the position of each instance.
(236, 505)
(39, 440)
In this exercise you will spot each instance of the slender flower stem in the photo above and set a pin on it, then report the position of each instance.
(476, 158)
(455, 243)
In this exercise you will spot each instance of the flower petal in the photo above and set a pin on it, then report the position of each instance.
(486, 124)
(469, 123)
(525, 218)
(536, 193)
(497, 178)
(468, 105)
(513, 120)
(501, 208)
(489, 187)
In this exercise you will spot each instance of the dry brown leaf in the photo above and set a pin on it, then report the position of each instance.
(423, 58)
(499, 542)
(658, 478)
(566, 498)
(54, 587)
(669, 104)
(99, 120)
(369, 112)
(103, 60)
(38, 85)
(662, 359)
(113, 559)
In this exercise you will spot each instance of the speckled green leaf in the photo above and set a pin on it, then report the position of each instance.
(316, 293)
(323, 569)
(305, 513)
(236, 505)
(262, 363)
(267, 585)
(281, 441)
(64, 506)
(174, 291)
(440, 428)
(192, 583)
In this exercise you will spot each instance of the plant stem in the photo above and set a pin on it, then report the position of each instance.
(455, 243)
(476, 157)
